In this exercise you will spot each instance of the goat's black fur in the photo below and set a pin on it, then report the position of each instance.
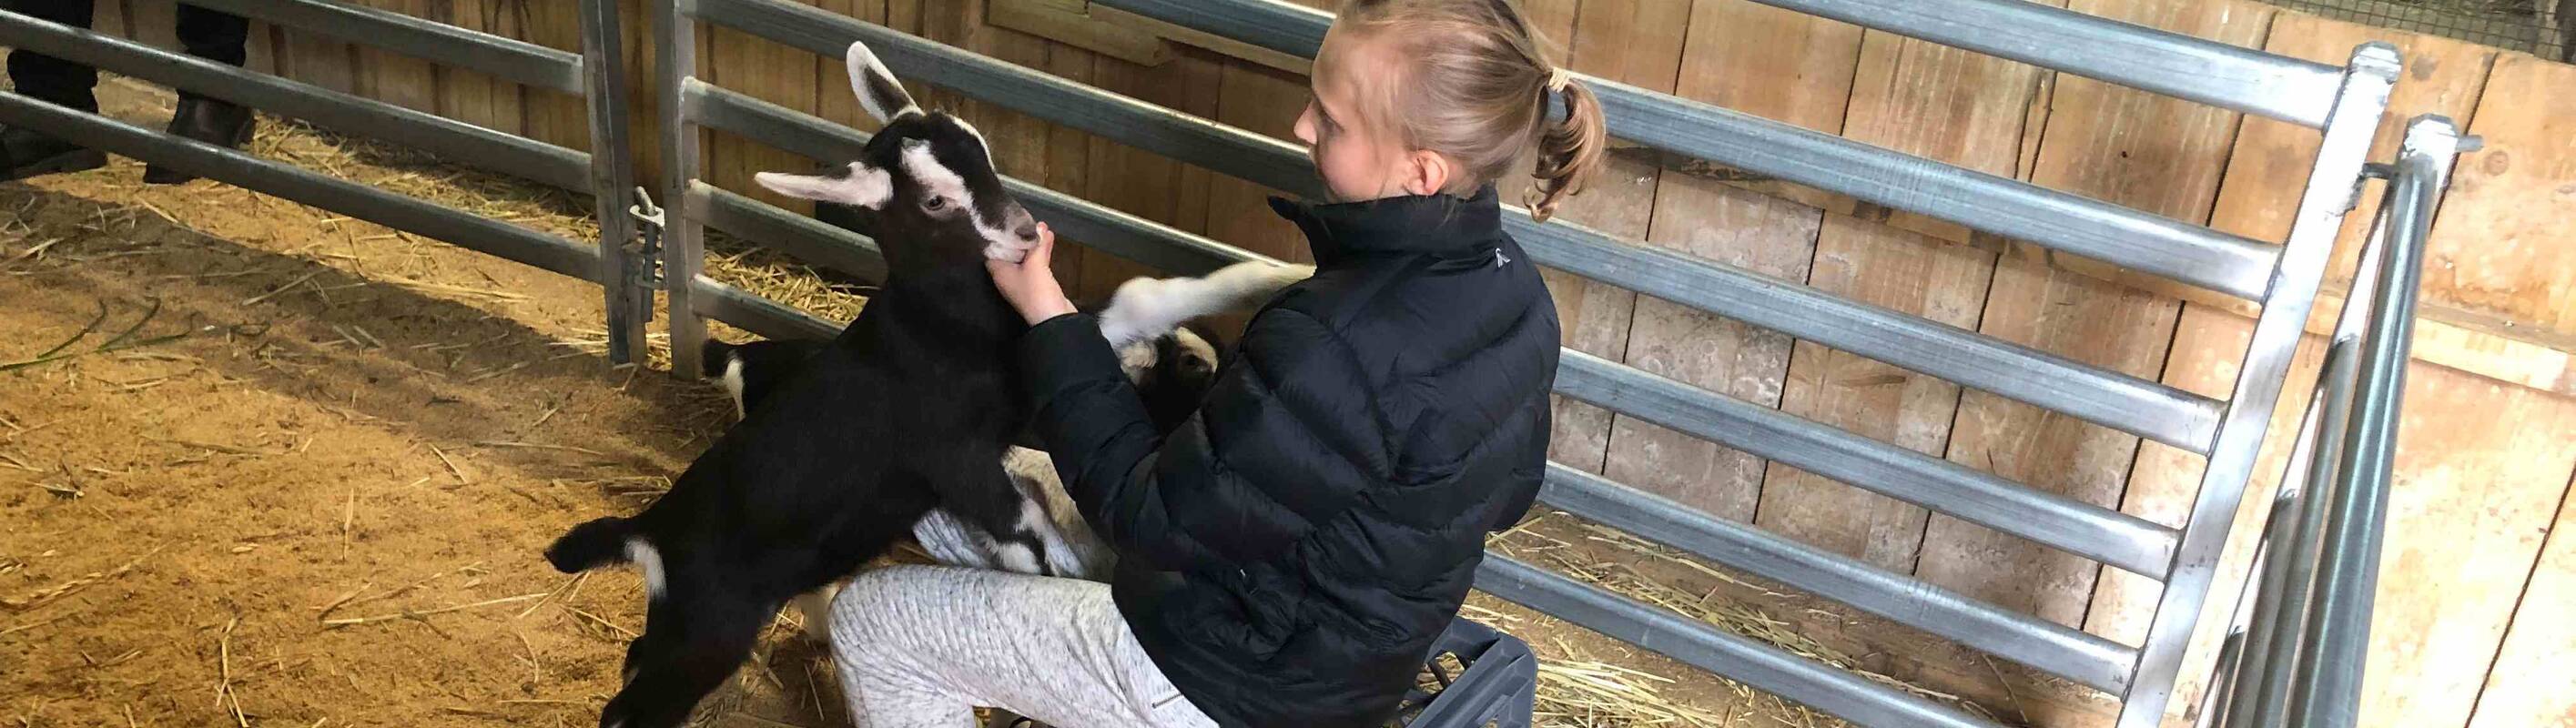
(1171, 386)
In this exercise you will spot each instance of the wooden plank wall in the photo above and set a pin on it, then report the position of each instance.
(2469, 631)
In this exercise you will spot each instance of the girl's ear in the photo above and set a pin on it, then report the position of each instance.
(1428, 172)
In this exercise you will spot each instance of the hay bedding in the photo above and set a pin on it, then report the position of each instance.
(287, 468)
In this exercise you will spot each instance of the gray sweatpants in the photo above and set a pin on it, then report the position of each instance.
(921, 646)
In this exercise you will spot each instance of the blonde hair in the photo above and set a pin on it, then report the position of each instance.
(1477, 87)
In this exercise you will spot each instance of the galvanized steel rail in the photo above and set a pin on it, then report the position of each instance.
(2036, 34)
(507, 59)
(287, 181)
(606, 175)
(2295, 655)
(2111, 399)
(451, 140)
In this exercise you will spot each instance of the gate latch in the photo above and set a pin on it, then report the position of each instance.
(646, 249)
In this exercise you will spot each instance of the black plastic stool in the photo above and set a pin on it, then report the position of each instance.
(1498, 688)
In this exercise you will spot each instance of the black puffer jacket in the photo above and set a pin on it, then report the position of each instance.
(1289, 554)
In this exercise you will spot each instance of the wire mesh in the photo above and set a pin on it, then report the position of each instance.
(2535, 26)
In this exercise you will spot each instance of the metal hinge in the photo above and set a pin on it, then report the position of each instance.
(646, 249)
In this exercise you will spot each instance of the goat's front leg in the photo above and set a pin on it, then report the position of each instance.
(1145, 308)
(974, 488)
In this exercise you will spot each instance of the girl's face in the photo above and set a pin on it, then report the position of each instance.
(1360, 155)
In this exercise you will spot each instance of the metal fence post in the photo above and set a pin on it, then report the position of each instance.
(2337, 634)
(623, 276)
(683, 239)
(2332, 187)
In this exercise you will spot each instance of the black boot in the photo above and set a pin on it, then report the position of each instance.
(207, 120)
(25, 153)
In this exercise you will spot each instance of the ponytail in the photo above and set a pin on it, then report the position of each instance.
(1475, 67)
(1570, 152)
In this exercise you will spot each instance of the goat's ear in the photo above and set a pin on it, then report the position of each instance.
(861, 186)
(875, 86)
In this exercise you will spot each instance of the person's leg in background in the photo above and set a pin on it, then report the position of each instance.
(52, 80)
(221, 38)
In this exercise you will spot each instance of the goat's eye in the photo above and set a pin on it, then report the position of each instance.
(935, 203)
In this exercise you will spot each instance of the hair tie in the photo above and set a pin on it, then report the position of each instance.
(1556, 80)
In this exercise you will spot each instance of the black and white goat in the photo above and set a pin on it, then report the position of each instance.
(910, 408)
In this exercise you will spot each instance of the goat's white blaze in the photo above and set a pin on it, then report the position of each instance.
(938, 180)
(642, 554)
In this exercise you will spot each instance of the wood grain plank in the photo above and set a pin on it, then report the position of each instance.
(2482, 469)
(1707, 218)
(2443, 76)
(319, 60)
(2530, 685)
(2258, 199)
(750, 65)
(154, 23)
(2154, 153)
(1942, 103)
(1767, 235)
(1265, 101)
(108, 17)
(1019, 141)
(2269, 169)
(2207, 354)
(260, 49)
(643, 82)
(1143, 183)
(1068, 155)
(2501, 246)
(472, 96)
(1903, 271)
(833, 98)
(1773, 63)
(1641, 42)
(398, 79)
(558, 118)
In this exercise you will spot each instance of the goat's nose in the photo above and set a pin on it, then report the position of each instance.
(1027, 231)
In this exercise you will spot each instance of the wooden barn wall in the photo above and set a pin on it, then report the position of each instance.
(2466, 633)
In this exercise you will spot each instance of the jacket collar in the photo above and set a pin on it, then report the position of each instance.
(1415, 224)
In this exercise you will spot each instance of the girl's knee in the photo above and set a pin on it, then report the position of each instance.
(880, 604)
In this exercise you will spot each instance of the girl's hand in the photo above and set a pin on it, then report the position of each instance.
(1030, 284)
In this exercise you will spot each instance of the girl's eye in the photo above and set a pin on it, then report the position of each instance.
(935, 203)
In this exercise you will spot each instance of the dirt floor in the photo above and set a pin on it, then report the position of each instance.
(290, 469)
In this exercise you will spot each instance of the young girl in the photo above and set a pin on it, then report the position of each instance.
(1287, 556)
